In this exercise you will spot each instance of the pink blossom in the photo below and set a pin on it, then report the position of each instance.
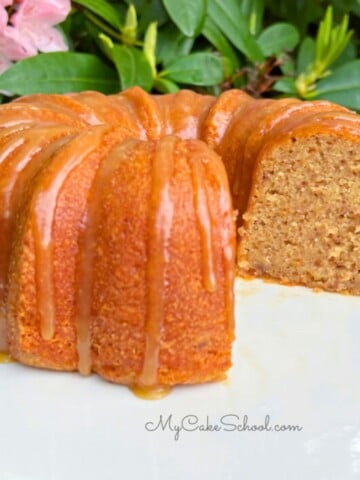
(44, 12)
(31, 29)
(3, 14)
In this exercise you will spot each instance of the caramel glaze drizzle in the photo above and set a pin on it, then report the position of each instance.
(160, 224)
(11, 191)
(43, 213)
(84, 293)
(5, 358)
(8, 149)
(253, 109)
(87, 243)
(204, 222)
(160, 219)
(228, 244)
(24, 163)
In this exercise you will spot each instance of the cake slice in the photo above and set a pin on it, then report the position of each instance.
(302, 220)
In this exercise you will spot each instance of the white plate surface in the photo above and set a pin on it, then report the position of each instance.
(296, 360)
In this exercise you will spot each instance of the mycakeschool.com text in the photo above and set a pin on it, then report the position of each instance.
(226, 423)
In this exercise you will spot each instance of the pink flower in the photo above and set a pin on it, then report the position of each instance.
(31, 29)
(44, 12)
(3, 14)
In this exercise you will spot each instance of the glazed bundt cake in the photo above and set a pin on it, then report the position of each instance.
(118, 223)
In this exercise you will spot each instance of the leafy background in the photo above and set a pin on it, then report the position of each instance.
(271, 48)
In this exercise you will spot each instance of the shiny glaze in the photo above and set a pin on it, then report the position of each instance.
(220, 116)
(151, 393)
(147, 113)
(183, 113)
(231, 145)
(64, 104)
(227, 232)
(29, 150)
(228, 244)
(19, 113)
(336, 121)
(104, 110)
(279, 116)
(87, 245)
(204, 221)
(5, 358)
(43, 207)
(130, 116)
(161, 211)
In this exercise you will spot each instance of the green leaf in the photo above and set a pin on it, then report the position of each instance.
(342, 86)
(300, 12)
(254, 12)
(188, 15)
(102, 9)
(356, 9)
(348, 54)
(149, 11)
(197, 69)
(228, 16)
(172, 44)
(285, 85)
(278, 37)
(59, 72)
(165, 86)
(306, 55)
(212, 33)
(133, 67)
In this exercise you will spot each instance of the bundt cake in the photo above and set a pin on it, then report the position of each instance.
(118, 224)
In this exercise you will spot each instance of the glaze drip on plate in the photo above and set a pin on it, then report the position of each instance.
(5, 358)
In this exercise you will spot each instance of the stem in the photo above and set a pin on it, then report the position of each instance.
(110, 31)
(103, 27)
